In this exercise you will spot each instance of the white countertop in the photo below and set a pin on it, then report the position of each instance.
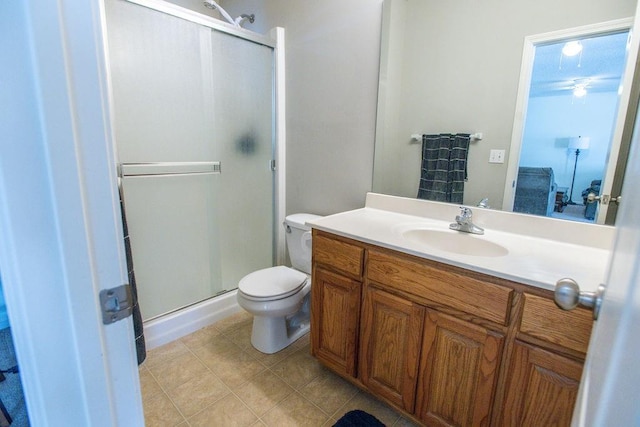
(540, 250)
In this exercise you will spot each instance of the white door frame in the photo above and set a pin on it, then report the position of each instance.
(60, 228)
(526, 69)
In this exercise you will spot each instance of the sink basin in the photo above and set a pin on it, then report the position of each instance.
(455, 242)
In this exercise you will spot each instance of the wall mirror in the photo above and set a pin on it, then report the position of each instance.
(449, 68)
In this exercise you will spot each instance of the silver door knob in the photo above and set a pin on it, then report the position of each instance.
(605, 199)
(568, 296)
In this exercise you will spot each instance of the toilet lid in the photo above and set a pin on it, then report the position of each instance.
(272, 282)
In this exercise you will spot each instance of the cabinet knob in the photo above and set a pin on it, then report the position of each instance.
(568, 296)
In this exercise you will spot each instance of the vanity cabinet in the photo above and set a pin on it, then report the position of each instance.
(426, 362)
(456, 359)
(335, 303)
(445, 345)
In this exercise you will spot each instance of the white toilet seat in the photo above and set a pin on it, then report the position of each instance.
(272, 283)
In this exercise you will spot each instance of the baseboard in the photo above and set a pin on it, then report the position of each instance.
(176, 325)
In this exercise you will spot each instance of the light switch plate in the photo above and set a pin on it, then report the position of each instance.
(496, 156)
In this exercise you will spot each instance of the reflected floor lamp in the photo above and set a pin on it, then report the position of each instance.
(577, 144)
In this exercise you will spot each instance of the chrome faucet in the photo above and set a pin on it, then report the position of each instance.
(484, 203)
(464, 222)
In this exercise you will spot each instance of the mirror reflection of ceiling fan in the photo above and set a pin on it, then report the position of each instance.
(585, 65)
(580, 86)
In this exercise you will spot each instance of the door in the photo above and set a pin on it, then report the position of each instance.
(186, 93)
(61, 239)
(542, 388)
(335, 301)
(611, 377)
(390, 346)
(458, 368)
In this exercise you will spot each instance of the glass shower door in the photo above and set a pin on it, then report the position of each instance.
(185, 94)
(243, 118)
(171, 217)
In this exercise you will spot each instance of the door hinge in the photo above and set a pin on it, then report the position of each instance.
(116, 303)
(272, 164)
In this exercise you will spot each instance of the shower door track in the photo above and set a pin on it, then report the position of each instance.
(215, 24)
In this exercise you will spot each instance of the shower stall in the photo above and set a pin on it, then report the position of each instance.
(194, 115)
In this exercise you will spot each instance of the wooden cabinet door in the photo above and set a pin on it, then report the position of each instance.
(458, 371)
(335, 316)
(542, 388)
(390, 346)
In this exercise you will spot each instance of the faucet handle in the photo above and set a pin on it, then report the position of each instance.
(465, 212)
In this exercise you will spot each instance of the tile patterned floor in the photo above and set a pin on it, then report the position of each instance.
(214, 377)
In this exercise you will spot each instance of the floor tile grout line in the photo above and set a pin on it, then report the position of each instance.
(231, 390)
(168, 397)
(230, 334)
(345, 404)
(246, 406)
(297, 390)
(190, 350)
(185, 418)
(286, 397)
(218, 400)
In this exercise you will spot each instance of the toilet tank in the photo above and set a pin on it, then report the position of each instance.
(299, 240)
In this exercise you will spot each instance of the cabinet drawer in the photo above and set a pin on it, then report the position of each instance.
(337, 254)
(450, 288)
(542, 319)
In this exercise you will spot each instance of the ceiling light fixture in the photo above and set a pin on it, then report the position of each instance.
(572, 48)
(579, 91)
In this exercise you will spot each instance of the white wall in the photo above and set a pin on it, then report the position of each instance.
(552, 120)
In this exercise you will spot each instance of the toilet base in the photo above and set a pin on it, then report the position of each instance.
(271, 334)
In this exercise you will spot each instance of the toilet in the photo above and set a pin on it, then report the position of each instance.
(279, 297)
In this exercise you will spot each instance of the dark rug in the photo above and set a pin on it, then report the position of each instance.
(358, 418)
(11, 388)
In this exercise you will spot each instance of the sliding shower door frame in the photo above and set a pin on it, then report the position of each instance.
(215, 24)
(275, 40)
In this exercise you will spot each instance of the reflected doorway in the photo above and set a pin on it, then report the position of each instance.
(568, 124)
